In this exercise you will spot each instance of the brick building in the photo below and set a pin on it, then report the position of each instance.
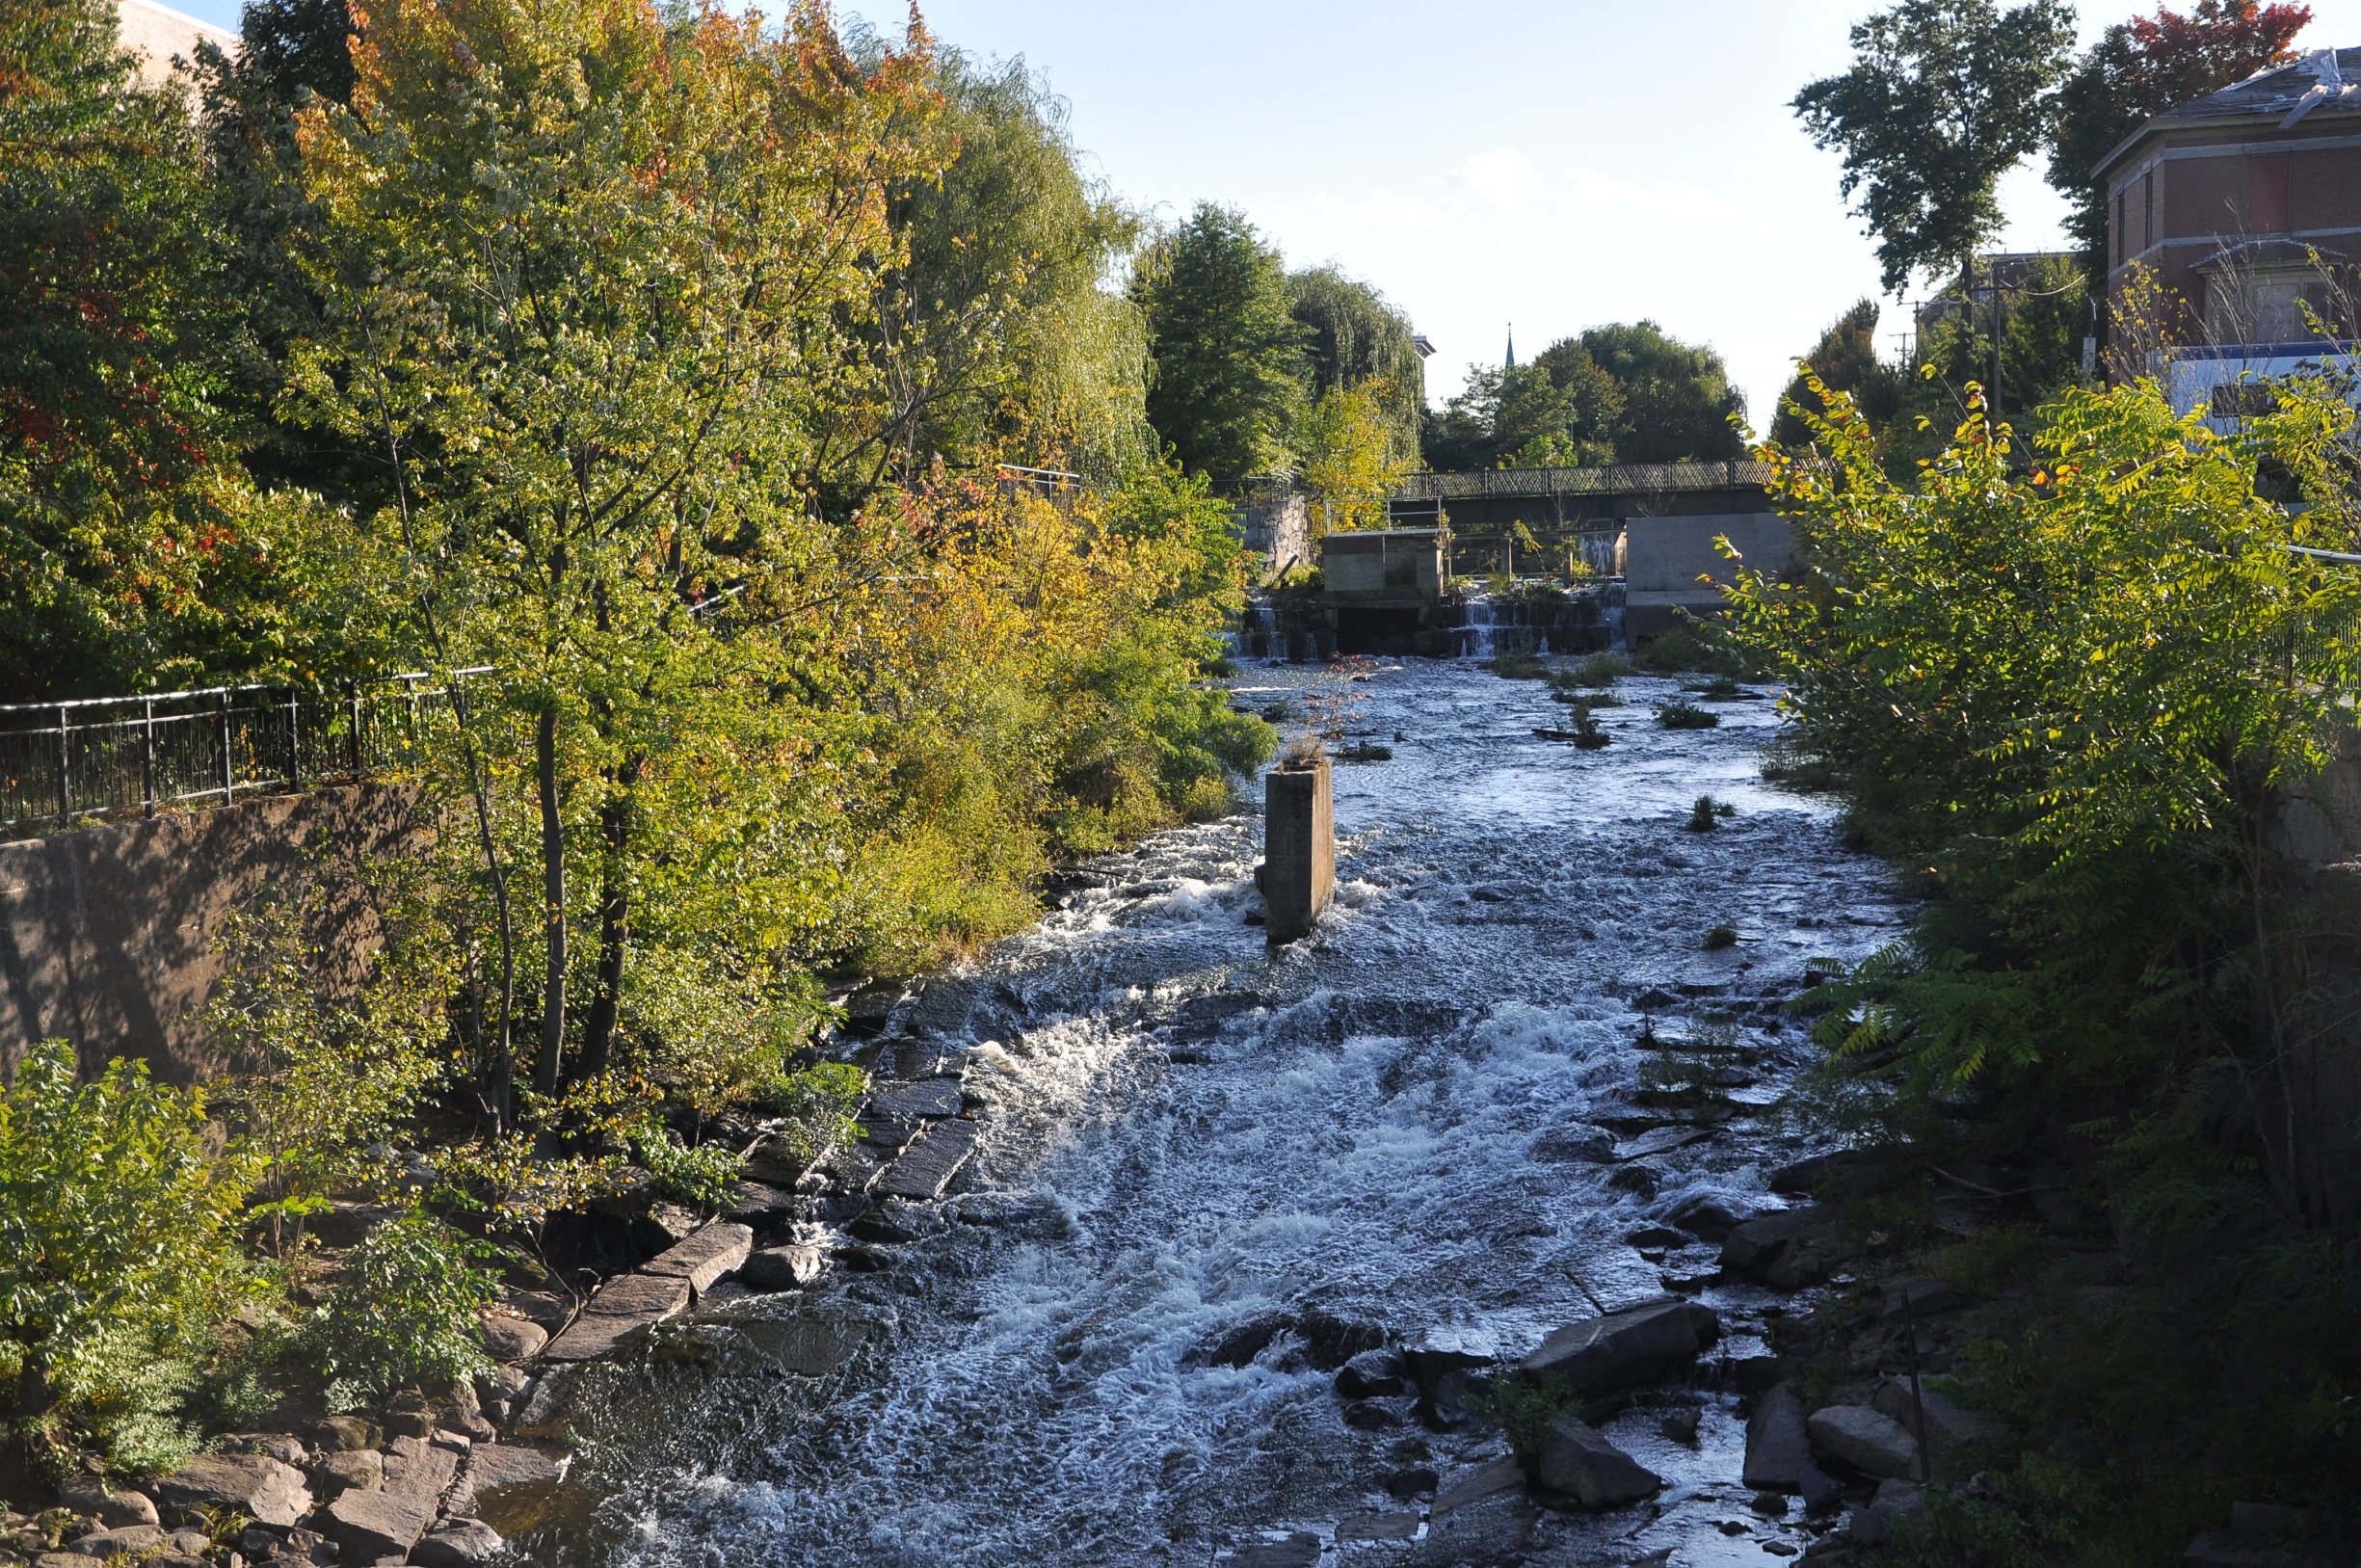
(2247, 205)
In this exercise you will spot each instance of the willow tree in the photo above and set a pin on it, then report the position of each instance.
(590, 276)
(1355, 337)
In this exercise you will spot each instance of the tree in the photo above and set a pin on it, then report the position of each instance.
(1355, 337)
(1676, 400)
(1942, 98)
(2143, 67)
(1347, 439)
(1558, 411)
(995, 339)
(1227, 356)
(1843, 361)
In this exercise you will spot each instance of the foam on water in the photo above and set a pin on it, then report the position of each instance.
(1188, 1135)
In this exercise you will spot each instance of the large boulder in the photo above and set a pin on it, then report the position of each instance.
(1626, 1349)
(457, 1543)
(361, 1470)
(1578, 1461)
(512, 1336)
(507, 1485)
(376, 1526)
(707, 1257)
(264, 1489)
(1868, 1439)
(1779, 1450)
(782, 1268)
(123, 1539)
(112, 1509)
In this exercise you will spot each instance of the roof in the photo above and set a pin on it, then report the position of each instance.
(2322, 79)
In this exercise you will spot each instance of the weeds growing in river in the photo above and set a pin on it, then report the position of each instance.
(1687, 716)
(1706, 816)
(1719, 937)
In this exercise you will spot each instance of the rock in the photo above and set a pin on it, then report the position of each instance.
(105, 1543)
(1769, 1504)
(754, 1202)
(1371, 1375)
(1949, 1425)
(1655, 1240)
(189, 1543)
(1896, 1501)
(1377, 1526)
(1576, 1461)
(262, 1488)
(1417, 1482)
(1680, 1426)
(1753, 1245)
(112, 1509)
(415, 1421)
(782, 1268)
(1869, 1441)
(622, 1306)
(508, 1338)
(507, 1485)
(1707, 1220)
(1301, 1549)
(929, 1097)
(546, 1308)
(376, 1526)
(1927, 1297)
(1779, 1450)
(1463, 1487)
(1330, 1343)
(777, 1163)
(1753, 1377)
(707, 1257)
(545, 1408)
(1574, 1146)
(1626, 1349)
(283, 1446)
(457, 1543)
(360, 1469)
(419, 1470)
(1848, 1173)
(1378, 1415)
(1494, 1530)
(927, 1167)
(2227, 1549)
(893, 1223)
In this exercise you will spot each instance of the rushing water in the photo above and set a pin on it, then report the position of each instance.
(1399, 1120)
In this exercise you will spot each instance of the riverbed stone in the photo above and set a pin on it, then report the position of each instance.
(264, 1489)
(421, 1470)
(1576, 1461)
(1301, 1549)
(1370, 1375)
(360, 1470)
(106, 1543)
(783, 1269)
(1626, 1349)
(510, 1338)
(113, 1509)
(928, 1097)
(1949, 1423)
(1477, 1482)
(1868, 1439)
(508, 1485)
(928, 1165)
(376, 1526)
(759, 1203)
(457, 1543)
(1377, 1526)
(623, 1306)
(707, 1257)
(1779, 1450)
(777, 1163)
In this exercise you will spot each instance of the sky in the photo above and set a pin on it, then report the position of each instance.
(1550, 164)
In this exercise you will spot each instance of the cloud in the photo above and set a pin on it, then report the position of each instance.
(1667, 198)
(1503, 179)
(1383, 209)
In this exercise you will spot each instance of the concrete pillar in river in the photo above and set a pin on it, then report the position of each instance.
(1299, 848)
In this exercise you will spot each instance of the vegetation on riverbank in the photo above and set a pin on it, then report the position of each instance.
(660, 366)
(2073, 688)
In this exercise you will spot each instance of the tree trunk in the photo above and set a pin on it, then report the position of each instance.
(614, 925)
(553, 905)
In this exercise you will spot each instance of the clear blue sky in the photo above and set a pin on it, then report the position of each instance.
(1550, 163)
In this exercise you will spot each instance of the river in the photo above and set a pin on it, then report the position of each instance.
(1425, 1117)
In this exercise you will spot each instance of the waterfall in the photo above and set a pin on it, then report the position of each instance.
(1477, 626)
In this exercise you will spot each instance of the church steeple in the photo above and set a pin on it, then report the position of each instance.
(1511, 363)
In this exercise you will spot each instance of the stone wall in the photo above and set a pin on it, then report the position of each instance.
(105, 933)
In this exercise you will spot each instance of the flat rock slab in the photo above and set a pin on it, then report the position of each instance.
(374, 1527)
(1869, 1441)
(929, 1164)
(457, 1543)
(1301, 1549)
(783, 1269)
(759, 1201)
(263, 1489)
(1779, 1450)
(1662, 1141)
(1377, 1526)
(508, 1486)
(419, 1469)
(1626, 1349)
(511, 1337)
(704, 1258)
(928, 1097)
(1463, 1487)
(126, 1538)
(625, 1305)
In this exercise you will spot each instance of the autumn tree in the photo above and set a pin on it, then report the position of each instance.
(1845, 360)
(1355, 337)
(1227, 355)
(2143, 66)
(1347, 439)
(1943, 98)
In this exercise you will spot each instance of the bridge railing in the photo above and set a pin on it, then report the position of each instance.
(1631, 478)
(62, 762)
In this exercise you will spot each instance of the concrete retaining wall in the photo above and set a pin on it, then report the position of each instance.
(105, 933)
(1664, 559)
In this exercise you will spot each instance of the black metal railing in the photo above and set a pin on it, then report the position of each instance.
(1632, 478)
(62, 762)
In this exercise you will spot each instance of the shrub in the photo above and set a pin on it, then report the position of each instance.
(118, 1257)
(403, 1313)
(700, 1175)
(1517, 666)
(1704, 647)
(1687, 716)
(1595, 670)
(1707, 815)
(817, 1102)
(1365, 750)
(1719, 937)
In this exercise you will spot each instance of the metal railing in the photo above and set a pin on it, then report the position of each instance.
(62, 762)
(1628, 478)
